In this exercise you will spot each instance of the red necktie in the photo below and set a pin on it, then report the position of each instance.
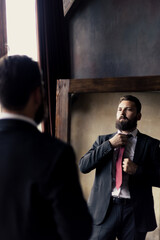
(119, 168)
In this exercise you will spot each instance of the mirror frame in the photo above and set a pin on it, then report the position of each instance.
(67, 87)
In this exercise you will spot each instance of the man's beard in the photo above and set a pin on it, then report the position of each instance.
(126, 125)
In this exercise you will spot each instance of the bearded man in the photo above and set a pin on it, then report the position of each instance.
(40, 194)
(127, 165)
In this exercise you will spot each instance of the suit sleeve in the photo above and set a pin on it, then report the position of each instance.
(69, 209)
(99, 151)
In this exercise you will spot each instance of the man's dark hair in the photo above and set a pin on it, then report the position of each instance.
(19, 76)
(132, 99)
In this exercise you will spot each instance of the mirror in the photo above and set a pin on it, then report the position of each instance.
(94, 114)
(90, 106)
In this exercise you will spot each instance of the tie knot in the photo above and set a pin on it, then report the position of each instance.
(129, 135)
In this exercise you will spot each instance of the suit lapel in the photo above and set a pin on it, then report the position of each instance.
(139, 150)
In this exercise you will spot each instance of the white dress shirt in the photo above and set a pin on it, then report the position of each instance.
(5, 115)
(123, 191)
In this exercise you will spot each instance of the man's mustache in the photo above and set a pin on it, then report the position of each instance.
(123, 117)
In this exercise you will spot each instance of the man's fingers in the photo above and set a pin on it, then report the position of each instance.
(128, 166)
(118, 140)
(125, 164)
(123, 138)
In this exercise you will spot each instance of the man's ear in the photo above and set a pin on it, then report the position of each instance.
(37, 96)
(139, 115)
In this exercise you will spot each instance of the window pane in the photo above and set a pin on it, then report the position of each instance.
(21, 27)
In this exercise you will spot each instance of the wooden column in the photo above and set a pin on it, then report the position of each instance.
(63, 110)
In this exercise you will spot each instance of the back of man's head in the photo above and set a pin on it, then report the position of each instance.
(19, 77)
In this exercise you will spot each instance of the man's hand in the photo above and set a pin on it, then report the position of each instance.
(118, 140)
(129, 166)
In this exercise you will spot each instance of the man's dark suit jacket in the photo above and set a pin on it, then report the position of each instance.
(40, 195)
(147, 157)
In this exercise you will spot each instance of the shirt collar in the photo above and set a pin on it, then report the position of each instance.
(17, 116)
(133, 133)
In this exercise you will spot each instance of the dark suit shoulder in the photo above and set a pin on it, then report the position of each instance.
(54, 149)
(54, 144)
(47, 154)
(147, 137)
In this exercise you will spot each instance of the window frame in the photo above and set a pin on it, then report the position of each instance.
(3, 29)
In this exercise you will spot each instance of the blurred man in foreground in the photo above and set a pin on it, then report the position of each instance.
(40, 195)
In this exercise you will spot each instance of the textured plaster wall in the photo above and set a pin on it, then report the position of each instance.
(94, 114)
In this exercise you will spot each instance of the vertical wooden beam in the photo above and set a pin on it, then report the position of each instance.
(63, 110)
(3, 31)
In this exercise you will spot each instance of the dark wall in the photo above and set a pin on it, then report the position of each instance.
(112, 38)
